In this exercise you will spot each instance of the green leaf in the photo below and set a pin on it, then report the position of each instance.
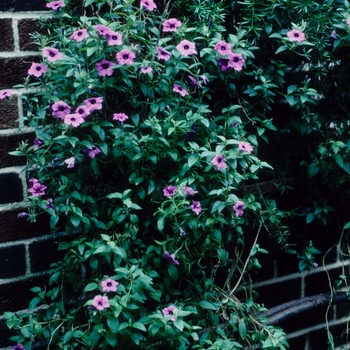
(206, 305)
(242, 329)
(313, 169)
(90, 287)
(173, 273)
(179, 324)
(111, 339)
(192, 160)
(154, 329)
(139, 326)
(113, 324)
(281, 49)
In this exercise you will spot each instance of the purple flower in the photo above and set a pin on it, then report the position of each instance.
(121, 117)
(102, 30)
(79, 35)
(125, 57)
(146, 70)
(196, 207)
(238, 208)
(197, 82)
(83, 111)
(187, 48)
(109, 285)
(37, 189)
(189, 191)
(55, 5)
(73, 119)
(223, 48)
(163, 54)
(182, 232)
(171, 25)
(37, 143)
(33, 181)
(49, 204)
(104, 68)
(171, 258)
(223, 63)
(52, 54)
(245, 147)
(219, 161)
(148, 5)
(22, 215)
(5, 94)
(37, 69)
(296, 35)
(169, 191)
(93, 103)
(60, 109)
(235, 61)
(70, 162)
(180, 90)
(348, 22)
(170, 311)
(100, 302)
(92, 152)
(114, 38)
(334, 33)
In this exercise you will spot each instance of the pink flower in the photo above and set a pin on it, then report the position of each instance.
(83, 111)
(92, 152)
(148, 5)
(37, 69)
(296, 35)
(79, 35)
(163, 54)
(169, 191)
(37, 188)
(52, 54)
(93, 103)
(219, 161)
(189, 191)
(102, 30)
(104, 68)
(125, 57)
(73, 119)
(171, 258)
(33, 181)
(196, 207)
(180, 90)
(114, 38)
(170, 311)
(194, 81)
(70, 162)
(109, 285)
(223, 63)
(121, 117)
(100, 302)
(235, 61)
(187, 48)
(146, 70)
(245, 147)
(238, 208)
(348, 22)
(60, 109)
(223, 48)
(171, 25)
(5, 94)
(55, 5)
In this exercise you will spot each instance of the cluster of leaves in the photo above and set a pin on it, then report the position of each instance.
(157, 183)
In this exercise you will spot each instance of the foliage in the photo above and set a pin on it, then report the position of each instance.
(146, 153)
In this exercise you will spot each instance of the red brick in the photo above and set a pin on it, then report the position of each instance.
(6, 42)
(26, 27)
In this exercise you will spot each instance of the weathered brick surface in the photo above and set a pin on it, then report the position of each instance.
(22, 5)
(26, 27)
(12, 228)
(12, 261)
(11, 188)
(6, 42)
(8, 114)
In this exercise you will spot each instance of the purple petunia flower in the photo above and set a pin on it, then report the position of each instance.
(146, 70)
(148, 5)
(37, 189)
(92, 152)
(170, 311)
(125, 57)
(100, 302)
(194, 81)
(219, 161)
(223, 63)
(121, 117)
(238, 208)
(223, 48)
(196, 207)
(37, 143)
(22, 215)
(104, 68)
(33, 181)
(114, 38)
(70, 162)
(171, 258)
(5, 94)
(163, 54)
(171, 25)
(109, 285)
(296, 35)
(93, 103)
(55, 5)
(83, 111)
(187, 48)
(180, 90)
(334, 34)
(235, 61)
(60, 109)
(49, 204)
(79, 35)
(37, 69)
(169, 191)
(348, 22)
(73, 119)
(245, 147)
(189, 191)
(52, 54)
(102, 30)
